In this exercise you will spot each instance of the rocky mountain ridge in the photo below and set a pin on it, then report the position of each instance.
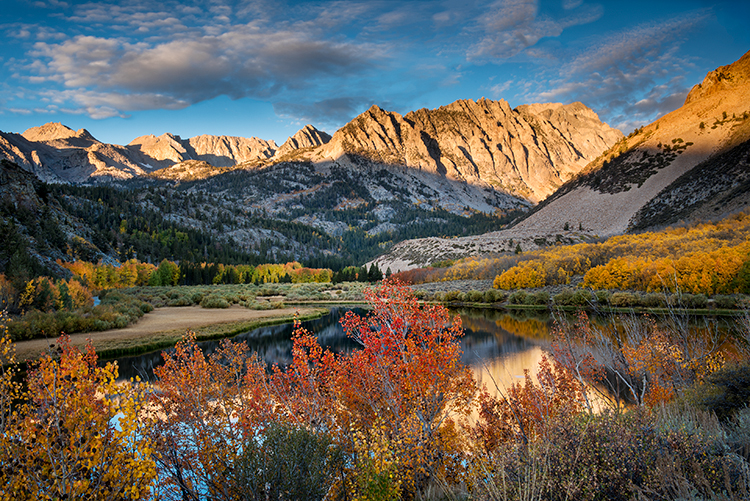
(526, 152)
(383, 178)
(56, 153)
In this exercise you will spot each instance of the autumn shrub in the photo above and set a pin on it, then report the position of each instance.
(77, 435)
(610, 455)
(617, 457)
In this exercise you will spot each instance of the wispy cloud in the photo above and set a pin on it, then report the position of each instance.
(510, 26)
(632, 77)
(239, 61)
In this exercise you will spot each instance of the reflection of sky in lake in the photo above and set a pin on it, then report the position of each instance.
(500, 341)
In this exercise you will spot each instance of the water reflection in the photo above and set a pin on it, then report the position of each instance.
(505, 342)
(499, 345)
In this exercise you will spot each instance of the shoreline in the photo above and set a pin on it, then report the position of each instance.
(164, 327)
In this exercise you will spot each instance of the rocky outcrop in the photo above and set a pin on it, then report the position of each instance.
(57, 135)
(528, 151)
(189, 170)
(306, 137)
(57, 154)
(157, 152)
(721, 79)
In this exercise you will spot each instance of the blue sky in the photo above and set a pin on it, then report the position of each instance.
(265, 68)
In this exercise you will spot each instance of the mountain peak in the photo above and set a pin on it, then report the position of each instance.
(307, 137)
(49, 132)
(527, 152)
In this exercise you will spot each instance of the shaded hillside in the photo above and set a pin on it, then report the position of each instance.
(36, 230)
(331, 218)
(42, 223)
(713, 189)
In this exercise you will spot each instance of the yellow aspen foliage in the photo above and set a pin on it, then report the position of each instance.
(78, 434)
(527, 274)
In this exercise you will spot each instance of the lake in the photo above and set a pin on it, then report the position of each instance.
(497, 343)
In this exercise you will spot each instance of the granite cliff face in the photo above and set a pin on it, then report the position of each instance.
(526, 152)
(56, 153)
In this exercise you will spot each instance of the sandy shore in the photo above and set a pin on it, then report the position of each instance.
(158, 323)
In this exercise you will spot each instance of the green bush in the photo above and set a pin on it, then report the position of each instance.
(563, 298)
(493, 296)
(725, 302)
(540, 298)
(451, 296)
(623, 299)
(212, 301)
(569, 297)
(654, 300)
(475, 296)
(620, 457)
(726, 391)
(693, 301)
(180, 301)
(602, 297)
(287, 463)
(518, 297)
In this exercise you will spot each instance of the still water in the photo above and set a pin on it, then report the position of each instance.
(498, 345)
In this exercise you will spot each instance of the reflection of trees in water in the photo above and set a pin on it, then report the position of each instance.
(273, 344)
